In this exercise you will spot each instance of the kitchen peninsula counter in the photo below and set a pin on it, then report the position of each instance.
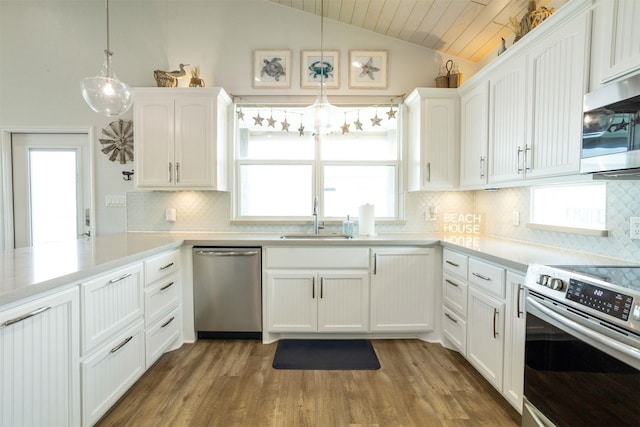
(28, 272)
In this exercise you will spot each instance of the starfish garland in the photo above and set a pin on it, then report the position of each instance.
(358, 123)
(240, 115)
(271, 122)
(285, 125)
(391, 114)
(258, 120)
(376, 120)
(345, 126)
(301, 129)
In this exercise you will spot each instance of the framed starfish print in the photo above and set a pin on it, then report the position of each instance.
(368, 69)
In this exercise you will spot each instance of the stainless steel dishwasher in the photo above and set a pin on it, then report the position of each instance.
(227, 292)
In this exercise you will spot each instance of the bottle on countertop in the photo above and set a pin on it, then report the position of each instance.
(347, 227)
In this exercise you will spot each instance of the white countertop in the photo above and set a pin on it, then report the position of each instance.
(27, 272)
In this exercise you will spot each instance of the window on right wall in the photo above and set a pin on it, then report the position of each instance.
(579, 208)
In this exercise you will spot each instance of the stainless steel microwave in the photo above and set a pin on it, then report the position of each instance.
(611, 130)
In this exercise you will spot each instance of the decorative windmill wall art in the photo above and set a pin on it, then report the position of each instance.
(117, 141)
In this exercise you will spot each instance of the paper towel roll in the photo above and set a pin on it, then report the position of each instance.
(366, 220)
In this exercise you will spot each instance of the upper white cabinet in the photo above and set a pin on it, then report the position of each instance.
(433, 139)
(474, 112)
(39, 367)
(181, 138)
(507, 113)
(615, 50)
(401, 290)
(558, 69)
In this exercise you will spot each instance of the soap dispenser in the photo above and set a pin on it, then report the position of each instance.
(347, 227)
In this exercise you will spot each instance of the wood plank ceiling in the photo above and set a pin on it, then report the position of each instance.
(468, 29)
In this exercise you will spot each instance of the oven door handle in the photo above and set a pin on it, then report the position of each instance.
(597, 337)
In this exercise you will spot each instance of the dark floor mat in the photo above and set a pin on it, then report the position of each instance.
(325, 355)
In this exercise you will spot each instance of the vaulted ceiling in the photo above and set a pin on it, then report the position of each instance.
(468, 29)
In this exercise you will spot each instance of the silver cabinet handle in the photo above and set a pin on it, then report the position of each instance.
(527, 149)
(520, 150)
(482, 167)
(481, 276)
(451, 283)
(313, 288)
(167, 322)
(321, 287)
(520, 312)
(452, 263)
(375, 263)
(170, 174)
(450, 318)
(495, 329)
(25, 316)
(166, 286)
(122, 344)
(166, 266)
(227, 253)
(177, 172)
(117, 279)
(428, 171)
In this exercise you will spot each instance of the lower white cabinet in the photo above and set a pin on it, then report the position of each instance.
(162, 334)
(485, 335)
(515, 328)
(109, 372)
(454, 328)
(328, 301)
(39, 362)
(401, 289)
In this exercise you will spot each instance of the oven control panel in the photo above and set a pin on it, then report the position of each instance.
(600, 299)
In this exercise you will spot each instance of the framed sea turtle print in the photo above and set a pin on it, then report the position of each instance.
(368, 69)
(311, 69)
(272, 68)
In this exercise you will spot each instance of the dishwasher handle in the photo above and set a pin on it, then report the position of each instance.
(226, 253)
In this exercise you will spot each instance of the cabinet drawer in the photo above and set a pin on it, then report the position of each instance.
(162, 334)
(161, 266)
(110, 371)
(487, 276)
(326, 257)
(454, 328)
(454, 263)
(109, 303)
(160, 298)
(454, 294)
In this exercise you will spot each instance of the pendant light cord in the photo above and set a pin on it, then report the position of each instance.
(322, 68)
(108, 52)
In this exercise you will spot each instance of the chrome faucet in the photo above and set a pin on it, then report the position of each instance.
(316, 225)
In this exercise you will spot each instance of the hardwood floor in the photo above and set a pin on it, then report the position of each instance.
(232, 383)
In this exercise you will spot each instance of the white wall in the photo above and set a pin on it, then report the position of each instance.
(48, 46)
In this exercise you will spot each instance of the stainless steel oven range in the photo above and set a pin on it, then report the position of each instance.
(582, 351)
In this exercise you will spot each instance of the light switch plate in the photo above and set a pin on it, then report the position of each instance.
(117, 200)
(515, 218)
(170, 214)
(634, 227)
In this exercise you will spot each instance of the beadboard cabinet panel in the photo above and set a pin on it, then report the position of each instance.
(39, 362)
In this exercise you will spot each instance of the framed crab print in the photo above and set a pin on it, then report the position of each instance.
(368, 69)
(272, 68)
(311, 69)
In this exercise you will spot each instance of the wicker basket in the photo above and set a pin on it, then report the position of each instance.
(455, 80)
(442, 81)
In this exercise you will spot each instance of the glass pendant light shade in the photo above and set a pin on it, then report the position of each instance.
(105, 94)
(322, 115)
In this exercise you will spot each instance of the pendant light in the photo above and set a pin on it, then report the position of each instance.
(321, 113)
(104, 93)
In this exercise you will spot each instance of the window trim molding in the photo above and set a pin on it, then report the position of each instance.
(572, 230)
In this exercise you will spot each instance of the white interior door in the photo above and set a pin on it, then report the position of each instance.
(51, 194)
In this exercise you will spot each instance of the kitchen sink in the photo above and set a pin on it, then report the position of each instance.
(315, 236)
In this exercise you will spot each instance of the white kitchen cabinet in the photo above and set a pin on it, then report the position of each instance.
(328, 301)
(474, 135)
(485, 335)
(615, 51)
(109, 372)
(402, 294)
(557, 71)
(110, 302)
(515, 323)
(455, 298)
(181, 138)
(508, 147)
(39, 361)
(433, 139)
(162, 304)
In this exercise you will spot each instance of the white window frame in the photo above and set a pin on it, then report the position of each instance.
(317, 165)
